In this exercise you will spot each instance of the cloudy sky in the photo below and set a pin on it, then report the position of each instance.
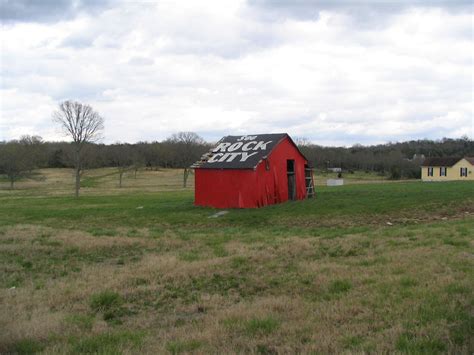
(335, 72)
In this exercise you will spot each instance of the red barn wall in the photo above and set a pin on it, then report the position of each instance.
(275, 180)
(225, 188)
(247, 188)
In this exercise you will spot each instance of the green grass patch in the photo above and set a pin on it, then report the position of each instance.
(40, 262)
(412, 344)
(240, 263)
(189, 256)
(108, 303)
(26, 346)
(261, 326)
(107, 343)
(457, 288)
(339, 286)
(252, 327)
(406, 282)
(89, 182)
(353, 342)
(105, 301)
(183, 346)
(456, 242)
(369, 262)
(355, 203)
(83, 322)
(133, 233)
(264, 349)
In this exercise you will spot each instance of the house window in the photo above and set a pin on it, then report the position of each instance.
(442, 171)
(463, 172)
(430, 171)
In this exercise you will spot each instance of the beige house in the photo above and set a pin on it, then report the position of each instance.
(447, 169)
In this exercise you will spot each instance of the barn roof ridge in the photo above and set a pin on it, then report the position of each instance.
(241, 152)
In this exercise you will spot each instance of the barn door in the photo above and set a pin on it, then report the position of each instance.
(290, 173)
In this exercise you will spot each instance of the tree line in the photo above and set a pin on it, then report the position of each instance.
(394, 159)
(20, 158)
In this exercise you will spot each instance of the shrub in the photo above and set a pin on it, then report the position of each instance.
(395, 173)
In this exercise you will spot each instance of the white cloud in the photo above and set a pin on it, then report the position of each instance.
(26, 113)
(152, 69)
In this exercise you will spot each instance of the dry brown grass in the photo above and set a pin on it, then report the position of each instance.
(105, 180)
(284, 299)
(320, 282)
(54, 182)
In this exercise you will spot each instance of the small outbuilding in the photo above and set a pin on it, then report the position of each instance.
(252, 171)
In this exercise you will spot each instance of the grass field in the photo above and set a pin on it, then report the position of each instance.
(366, 267)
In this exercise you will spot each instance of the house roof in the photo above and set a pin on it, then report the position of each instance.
(240, 152)
(441, 161)
(470, 160)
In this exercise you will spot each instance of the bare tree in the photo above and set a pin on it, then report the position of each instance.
(83, 125)
(302, 142)
(138, 161)
(121, 157)
(188, 148)
(19, 158)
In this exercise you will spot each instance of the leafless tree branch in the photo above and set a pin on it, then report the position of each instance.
(83, 125)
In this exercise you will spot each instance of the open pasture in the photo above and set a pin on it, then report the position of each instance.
(360, 268)
(106, 181)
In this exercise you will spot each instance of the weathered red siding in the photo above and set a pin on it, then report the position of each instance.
(248, 188)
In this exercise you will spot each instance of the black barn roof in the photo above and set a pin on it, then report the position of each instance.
(240, 152)
(441, 161)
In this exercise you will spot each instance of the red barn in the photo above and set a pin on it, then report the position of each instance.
(252, 171)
